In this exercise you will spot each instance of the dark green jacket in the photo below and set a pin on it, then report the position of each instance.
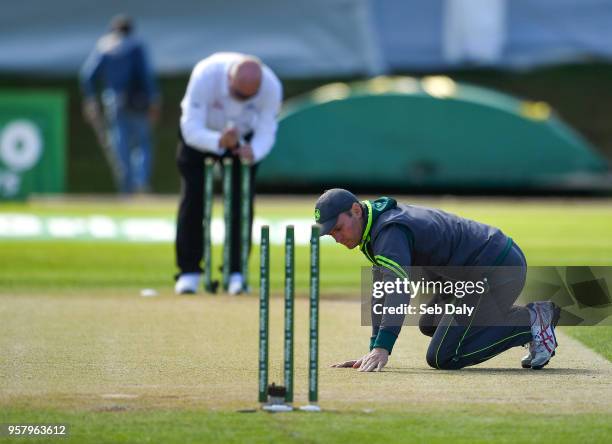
(397, 236)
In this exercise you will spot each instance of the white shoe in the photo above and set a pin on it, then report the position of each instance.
(526, 360)
(236, 283)
(544, 343)
(187, 283)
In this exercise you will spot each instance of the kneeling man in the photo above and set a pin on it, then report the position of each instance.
(395, 236)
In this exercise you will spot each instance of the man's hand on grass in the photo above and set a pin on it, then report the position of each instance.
(373, 361)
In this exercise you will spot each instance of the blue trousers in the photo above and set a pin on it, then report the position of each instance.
(131, 140)
(496, 324)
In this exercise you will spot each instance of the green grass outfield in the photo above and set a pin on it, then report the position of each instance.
(187, 426)
(550, 232)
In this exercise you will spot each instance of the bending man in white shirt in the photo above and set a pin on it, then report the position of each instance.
(229, 110)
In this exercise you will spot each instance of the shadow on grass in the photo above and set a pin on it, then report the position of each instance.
(496, 371)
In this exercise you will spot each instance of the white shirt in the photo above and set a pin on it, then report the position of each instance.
(208, 107)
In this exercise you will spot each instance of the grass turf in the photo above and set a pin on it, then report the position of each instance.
(549, 233)
(598, 338)
(52, 266)
(328, 427)
(554, 233)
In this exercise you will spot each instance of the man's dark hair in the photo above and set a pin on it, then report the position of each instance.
(122, 24)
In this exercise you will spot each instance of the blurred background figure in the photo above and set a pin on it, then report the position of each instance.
(229, 110)
(131, 104)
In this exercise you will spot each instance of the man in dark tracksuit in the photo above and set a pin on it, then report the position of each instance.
(394, 236)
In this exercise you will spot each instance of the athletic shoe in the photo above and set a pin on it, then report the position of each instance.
(526, 360)
(235, 284)
(544, 343)
(187, 283)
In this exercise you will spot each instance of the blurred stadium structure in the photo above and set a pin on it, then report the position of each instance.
(460, 137)
(318, 37)
(489, 42)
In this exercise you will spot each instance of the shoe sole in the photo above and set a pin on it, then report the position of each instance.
(554, 322)
(540, 367)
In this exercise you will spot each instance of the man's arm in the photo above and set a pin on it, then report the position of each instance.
(89, 74)
(392, 251)
(194, 109)
(265, 131)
